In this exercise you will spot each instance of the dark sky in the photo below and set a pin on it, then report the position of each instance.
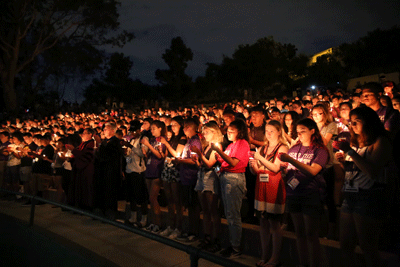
(214, 28)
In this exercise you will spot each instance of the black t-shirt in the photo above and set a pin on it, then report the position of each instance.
(27, 161)
(44, 166)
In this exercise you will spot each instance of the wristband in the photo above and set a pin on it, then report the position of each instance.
(351, 153)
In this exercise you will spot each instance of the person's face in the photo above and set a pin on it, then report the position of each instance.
(145, 126)
(208, 134)
(344, 112)
(86, 136)
(356, 125)
(232, 133)
(369, 98)
(289, 121)
(16, 141)
(271, 133)
(396, 104)
(108, 132)
(189, 130)
(335, 102)
(169, 135)
(155, 131)
(296, 108)
(175, 126)
(304, 134)
(228, 119)
(28, 139)
(318, 115)
(383, 102)
(276, 115)
(257, 118)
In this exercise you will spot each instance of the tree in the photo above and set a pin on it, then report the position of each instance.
(259, 66)
(31, 27)
(375, 53)
(327, 71)
(174, 80)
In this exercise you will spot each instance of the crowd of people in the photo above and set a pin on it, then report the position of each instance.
(297, 157)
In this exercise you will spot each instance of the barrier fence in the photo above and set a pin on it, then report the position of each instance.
(194, 252)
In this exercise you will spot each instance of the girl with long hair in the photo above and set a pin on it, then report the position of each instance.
(207, 186)
(233, 181)
(289, 124)
(171, 180)
(270, 191)
(305, 188)
(366, 160)
(154, 166)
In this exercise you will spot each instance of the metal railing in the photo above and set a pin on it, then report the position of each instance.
(194, 253)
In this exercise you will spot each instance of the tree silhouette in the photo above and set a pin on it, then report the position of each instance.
(174, 81)
(29, 28)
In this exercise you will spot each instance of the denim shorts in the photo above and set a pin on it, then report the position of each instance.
(207, 181)
(370, 203)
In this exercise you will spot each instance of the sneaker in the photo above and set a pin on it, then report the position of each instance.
(175, 234)
(185, 237)
(167, 231)
(182, 237)
(150, 227)
(191, 238)
(156, 229)
(230, 253)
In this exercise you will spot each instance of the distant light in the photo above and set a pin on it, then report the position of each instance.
(338, 82)
(313, 87)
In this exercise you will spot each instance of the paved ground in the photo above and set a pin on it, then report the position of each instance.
(107, 245)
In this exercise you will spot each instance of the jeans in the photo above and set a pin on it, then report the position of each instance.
(233, 190)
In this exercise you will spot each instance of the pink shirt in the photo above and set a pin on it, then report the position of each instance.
(238, 150)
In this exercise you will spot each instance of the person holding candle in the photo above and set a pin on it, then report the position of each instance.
(234, 161)
(305, 188)
(188, 176)
(207, 186)
(171, 178)
(368, 162)
(270, 191)
(155, 162)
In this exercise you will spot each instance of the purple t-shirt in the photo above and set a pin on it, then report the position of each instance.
(390, 121)
(187, 172)
(308, 184)
(154, 165)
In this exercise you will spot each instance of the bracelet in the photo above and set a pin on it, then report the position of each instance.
(351, 153)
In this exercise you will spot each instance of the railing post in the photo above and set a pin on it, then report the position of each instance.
(32, 211)
(194, 259)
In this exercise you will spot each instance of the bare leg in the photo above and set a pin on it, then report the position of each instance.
(348, 238)
(301, 239)
(154, 186)
(276, 233)
(176, 194)
(312, 230)
(265, 237)
(171, 204)
(368, 236)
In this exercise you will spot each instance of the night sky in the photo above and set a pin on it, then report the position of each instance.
(215, 28)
